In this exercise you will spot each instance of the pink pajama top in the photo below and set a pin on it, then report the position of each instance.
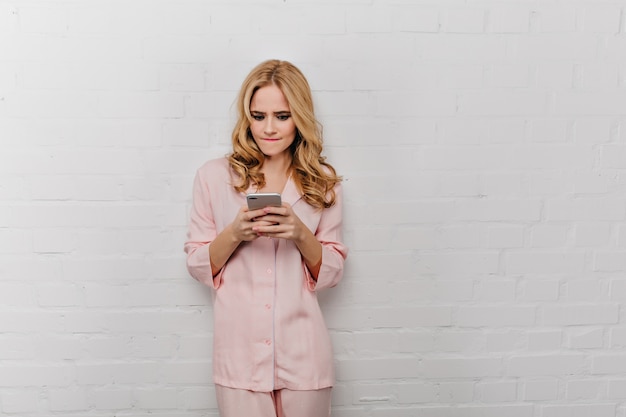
(269, 332)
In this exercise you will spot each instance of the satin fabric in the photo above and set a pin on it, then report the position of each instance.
(281, 403)
(269, 332)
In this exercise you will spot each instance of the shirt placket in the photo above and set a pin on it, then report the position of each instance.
(272, 310)
(265, 302)
(269, 304)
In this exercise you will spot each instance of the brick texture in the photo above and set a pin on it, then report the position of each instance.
(483, 146)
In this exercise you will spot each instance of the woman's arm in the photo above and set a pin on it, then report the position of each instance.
(221, 249)
(242, 229)
(207, 249)
(311, 250)
(322, 250)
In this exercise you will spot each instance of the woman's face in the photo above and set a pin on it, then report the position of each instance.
(272, 126)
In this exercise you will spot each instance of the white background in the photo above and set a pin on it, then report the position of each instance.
(483, 146)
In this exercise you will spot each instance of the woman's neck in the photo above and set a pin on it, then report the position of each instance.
(276, 172)
(276, 166)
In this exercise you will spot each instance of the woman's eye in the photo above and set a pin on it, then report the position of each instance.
(283, 117)
(258, 117)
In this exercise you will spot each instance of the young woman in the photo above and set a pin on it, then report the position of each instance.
(272, 353)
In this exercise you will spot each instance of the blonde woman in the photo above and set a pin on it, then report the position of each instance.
(272, 353)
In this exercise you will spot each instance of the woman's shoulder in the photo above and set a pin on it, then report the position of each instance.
(217, 169)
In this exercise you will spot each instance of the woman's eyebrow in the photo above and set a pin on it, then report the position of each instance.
(276, 112)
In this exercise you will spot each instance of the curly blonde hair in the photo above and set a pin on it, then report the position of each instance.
(314, 177)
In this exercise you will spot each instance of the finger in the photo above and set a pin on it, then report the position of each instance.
(252, 214)
(252, 235)
(274, 229)
(262, 223)
(281, 211)
(264, 230)
(269, 218)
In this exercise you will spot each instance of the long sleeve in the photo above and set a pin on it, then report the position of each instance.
(201, 232)
(329, 233)
(269, 331)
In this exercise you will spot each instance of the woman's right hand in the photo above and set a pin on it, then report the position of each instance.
(240, 230)
(243, 224)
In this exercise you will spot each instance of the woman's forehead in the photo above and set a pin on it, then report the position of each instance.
(269, 98)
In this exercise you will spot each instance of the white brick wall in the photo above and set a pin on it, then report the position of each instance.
(483, 145)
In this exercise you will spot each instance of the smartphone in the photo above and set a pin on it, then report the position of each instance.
(261, 200)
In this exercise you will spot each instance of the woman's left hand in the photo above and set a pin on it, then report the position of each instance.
(285, 224)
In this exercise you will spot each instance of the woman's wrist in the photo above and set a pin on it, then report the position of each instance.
(222, 247)
(230, 236)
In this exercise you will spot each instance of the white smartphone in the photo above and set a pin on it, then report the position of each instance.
(261, 200)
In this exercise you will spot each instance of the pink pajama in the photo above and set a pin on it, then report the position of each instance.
(280, 403)
(269, 332)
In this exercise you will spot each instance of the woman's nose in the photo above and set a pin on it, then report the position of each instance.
(269, 126)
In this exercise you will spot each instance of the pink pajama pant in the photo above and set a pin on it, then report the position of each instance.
(281, 403)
